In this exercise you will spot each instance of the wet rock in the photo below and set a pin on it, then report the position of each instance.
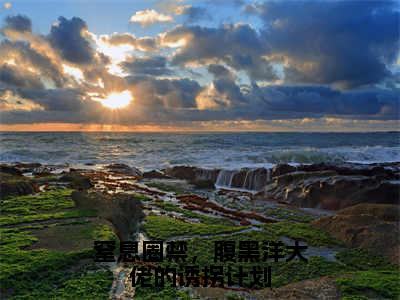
(327, 190)
(195, 202)
(348, 169)
(282, 169)
(204, 184)
(154, 174)
(245, 179)
(244, 222)
(16, 186)
(181, 172)
(201, 178)
(374, 227)
(77, 180)
(27, 167)
(122, 210)
(10, 170)
(206, 175)
(42, 171)
(123, 169)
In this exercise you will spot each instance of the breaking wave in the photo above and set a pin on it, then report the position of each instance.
(228, 151)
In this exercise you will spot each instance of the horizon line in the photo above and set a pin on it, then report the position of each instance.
(196, 131)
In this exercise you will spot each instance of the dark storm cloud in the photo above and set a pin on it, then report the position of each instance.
(12, 76)
(156, 66)
(195, 13)
(349, 43)
(70, 100)
(220, 72)
(169, 93)
(18, 23)
(67, 36)
(314, 101)
(237, 45)
(26, 57)
(224, 84)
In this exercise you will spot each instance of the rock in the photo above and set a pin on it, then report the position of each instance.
(327, 190)
(348, 169)
(77, 181)
(10, 170)
(42, 171)
(206, 175)
(123, 169)
(181, 172)
(122, 210)
(282, 169)
(202, 204)
(16, 186)
(374, 227)
(321, 288)
(244, 222)
(385, 212)
(155, 174)
(27, 167)
(244, 179)
(201, 178)
(204, 184)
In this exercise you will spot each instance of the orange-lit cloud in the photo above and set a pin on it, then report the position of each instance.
(150, 16)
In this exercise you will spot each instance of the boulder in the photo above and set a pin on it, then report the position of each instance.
(155, 174)
(27, 167)
(10, 170)
(181, 172)
(16, 186)
(383, 171)
(124, 211)
(201, 178)
(204, 184)
(42, 171)
(122, 169)
(374, 227)
(281, 169)
(77, 181)
(327, 190)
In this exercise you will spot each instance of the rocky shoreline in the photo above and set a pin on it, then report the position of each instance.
(356, 205)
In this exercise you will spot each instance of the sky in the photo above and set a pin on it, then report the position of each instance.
(177, 65)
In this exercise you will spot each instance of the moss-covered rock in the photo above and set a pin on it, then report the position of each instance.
(369, 226)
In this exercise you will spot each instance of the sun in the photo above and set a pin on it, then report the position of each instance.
(117, 100)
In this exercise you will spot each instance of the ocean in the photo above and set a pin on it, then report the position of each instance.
(209, 150)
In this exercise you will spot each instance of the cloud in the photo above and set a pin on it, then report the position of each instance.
(11, 75)
(156, 66)
(155, 94)
(345, 43)
(67, 36)
(30, 62)
(193, 13)
(150, 16)
(18, 23)
(141, 44)
(239, 46)
(287, 70)
(317, 101)
(221, 72)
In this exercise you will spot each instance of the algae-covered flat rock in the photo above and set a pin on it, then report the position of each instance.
(374, 227)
